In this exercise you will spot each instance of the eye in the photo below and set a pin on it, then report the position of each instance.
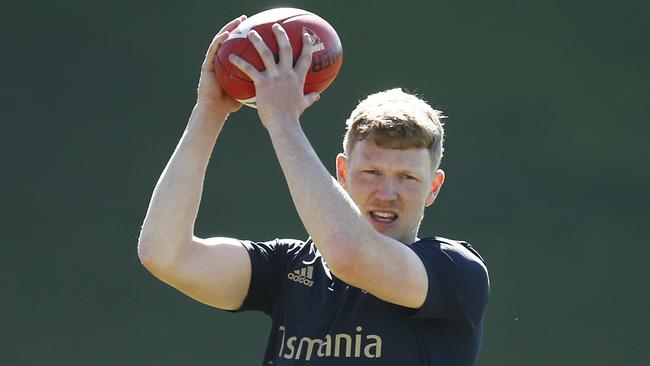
(408, 177)
(370, 171)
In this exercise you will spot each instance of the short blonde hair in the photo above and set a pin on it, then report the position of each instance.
(396, 120)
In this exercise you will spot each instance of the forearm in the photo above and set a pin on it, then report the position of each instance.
(169, 222)
(328, 213)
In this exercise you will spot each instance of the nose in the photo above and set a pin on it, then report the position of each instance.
(386, 190)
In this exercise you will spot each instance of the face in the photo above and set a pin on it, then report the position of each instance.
(391, 187)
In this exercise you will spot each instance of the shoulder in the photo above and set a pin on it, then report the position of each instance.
(275, 244)
(456, 249)
(457, 275)
(456, 258)
(278, 248)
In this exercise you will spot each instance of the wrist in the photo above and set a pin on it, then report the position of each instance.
(282, 126)
(212, 108)
(286, 132)
(206, 116)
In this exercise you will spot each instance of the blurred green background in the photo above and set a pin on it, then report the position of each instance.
(546, 156)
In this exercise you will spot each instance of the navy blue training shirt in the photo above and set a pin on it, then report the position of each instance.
(317, 319)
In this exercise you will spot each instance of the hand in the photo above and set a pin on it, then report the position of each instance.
(279, 89)
(209, 93)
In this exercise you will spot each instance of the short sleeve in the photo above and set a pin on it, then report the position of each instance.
(268, 262)
(458, 281)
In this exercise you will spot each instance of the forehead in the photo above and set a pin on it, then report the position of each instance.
(367, 152)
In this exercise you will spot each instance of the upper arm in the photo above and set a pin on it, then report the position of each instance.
(389, 270)
(214, 271)
(444, 281)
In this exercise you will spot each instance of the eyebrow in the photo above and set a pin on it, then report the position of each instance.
(409, 171)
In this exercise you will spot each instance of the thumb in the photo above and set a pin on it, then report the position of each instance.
(312, 98)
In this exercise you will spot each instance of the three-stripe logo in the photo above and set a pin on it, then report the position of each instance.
(304, 275)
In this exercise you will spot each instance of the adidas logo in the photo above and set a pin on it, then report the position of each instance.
(314, 39)
(304, 275)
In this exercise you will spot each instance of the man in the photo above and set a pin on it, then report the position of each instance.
(364, 289)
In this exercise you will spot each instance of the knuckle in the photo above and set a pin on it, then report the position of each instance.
(306, 60)
(265, 52)
(262, 83)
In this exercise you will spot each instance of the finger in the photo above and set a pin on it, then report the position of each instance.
(245, 67)
(311, 98)
(232, 24)
(284, 46)
(208, 62)
(302, 66)
(263, 50)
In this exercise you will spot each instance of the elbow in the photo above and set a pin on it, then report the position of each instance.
(343, 262)
(146, 253)
(346, 254)
(348, 269)
(154, 261)
(161, 251)
(351, 259)
(340, 269)
(152, 255)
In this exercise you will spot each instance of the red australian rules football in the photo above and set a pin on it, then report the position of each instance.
(326, 59)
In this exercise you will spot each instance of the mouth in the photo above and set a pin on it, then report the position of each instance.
(383, 217)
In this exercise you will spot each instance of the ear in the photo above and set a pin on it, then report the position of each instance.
(342, 170)
(436, 184)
